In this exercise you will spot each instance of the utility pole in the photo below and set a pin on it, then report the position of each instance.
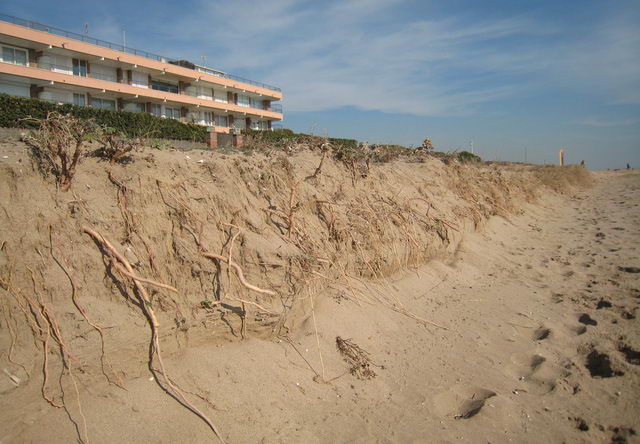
(525, 154)
(124, 39)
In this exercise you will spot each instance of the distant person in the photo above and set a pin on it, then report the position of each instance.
(582, 163)
(628, 167)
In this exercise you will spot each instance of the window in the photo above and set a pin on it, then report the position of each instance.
(221, 121)
(244, 100)
(172, 113)
(164, 86)
(14, 55)
(255, 103)
(79, 99)
(80, 68)
(134, 107)
(208, 118)
(156, 109)
(140, 79)
(103, 104)
(240, 123)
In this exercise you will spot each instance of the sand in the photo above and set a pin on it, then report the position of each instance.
(538, 304)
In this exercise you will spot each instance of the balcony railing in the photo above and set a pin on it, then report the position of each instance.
(108, 78)
(68, 70)
(165, 88)
(117, 47)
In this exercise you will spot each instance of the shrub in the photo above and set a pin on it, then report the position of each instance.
(16, 111)
(58, 144)
(467, 157)
(116, 147)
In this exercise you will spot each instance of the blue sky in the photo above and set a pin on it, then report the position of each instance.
(507, 75)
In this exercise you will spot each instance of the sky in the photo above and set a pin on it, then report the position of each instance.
(515, 80)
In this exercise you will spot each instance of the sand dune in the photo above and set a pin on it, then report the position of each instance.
(522, 330)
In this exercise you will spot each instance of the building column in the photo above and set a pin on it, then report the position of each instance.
(35, 90)
(33, 57)
(183, 114)
(212, 139)
(238, 140)
(182, 86)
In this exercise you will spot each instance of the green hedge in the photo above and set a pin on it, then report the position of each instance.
(13, 111)
(279, 135)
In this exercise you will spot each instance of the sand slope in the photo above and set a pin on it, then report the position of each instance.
(538, 303)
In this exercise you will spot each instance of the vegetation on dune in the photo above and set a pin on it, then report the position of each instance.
(19, 112)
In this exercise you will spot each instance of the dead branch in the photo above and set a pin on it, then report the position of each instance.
(357, 358)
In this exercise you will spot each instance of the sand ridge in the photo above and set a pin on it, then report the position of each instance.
(539, 306)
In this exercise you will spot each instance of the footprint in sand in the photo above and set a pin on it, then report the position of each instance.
(538, 375)
(461, 402)
(587, 320)
(599, 364)
(541, 333)
(631, 355)
(577, 329)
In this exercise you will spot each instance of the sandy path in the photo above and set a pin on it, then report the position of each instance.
(542, 346)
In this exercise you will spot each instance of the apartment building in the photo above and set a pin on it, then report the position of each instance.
(51, 64)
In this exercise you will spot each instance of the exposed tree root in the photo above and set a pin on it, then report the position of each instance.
(145, 302)
(64, 265)
(239, 273)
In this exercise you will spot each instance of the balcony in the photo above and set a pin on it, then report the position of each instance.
(166, 87)
(133, 89)
(117, 47)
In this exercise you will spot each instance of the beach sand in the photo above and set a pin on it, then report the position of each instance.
(537, 340)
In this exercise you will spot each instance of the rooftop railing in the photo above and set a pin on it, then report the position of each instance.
(117, 47)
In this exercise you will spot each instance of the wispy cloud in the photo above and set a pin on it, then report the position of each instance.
(607, 123)
(375, 55)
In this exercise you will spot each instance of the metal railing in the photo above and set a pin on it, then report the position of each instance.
(165, 88)
(63, 69)
(276, 108)
(95, 75)
(117, 47)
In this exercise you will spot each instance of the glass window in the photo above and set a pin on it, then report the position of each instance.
(163, 86)
(255, 103)
(208, 118)
(79, 99)
(243, 100)
(103, 104)
(134, 107)
(15, 56)
(80, 68)
(172, 113)
(156, 109)
(221, 121)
